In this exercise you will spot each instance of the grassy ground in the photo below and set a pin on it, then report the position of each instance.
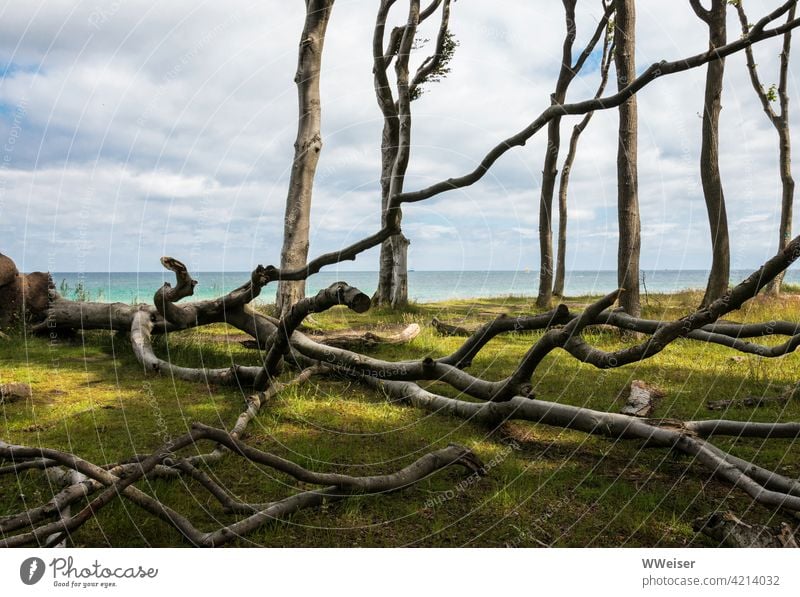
(547, 486)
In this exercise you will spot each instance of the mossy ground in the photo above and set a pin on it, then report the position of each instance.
(547, 486)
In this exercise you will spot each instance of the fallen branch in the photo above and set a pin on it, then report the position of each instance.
(355, 339)
(338, 486)
(446, 329)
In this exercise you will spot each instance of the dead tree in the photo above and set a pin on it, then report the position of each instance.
(481, 401)
(719, 278)
(780, 120)
(566, 169)
(307, 147)
(629, 245)
(566, 75)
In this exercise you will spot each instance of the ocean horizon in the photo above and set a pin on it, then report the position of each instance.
(424, 286)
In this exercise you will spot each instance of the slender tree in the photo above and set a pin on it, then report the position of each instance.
(719, 277)
(393, 266)
(627, 167)
(566, 74)
(307, 147)
(382, 58)
(566, 169)
(780, 120)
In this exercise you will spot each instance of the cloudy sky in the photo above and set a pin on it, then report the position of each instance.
(136, 129)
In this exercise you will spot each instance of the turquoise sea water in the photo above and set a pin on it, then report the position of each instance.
(424, 286)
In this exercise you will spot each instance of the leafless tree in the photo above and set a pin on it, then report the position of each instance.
(719, 278)
(780, 120)
(393, 266)
(491, 403)
(563, 186)
(307, 147)
(566, 75)
(629, 245)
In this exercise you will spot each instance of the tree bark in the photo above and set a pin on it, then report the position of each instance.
(400, 271)
(351, 339)
(719, 277)
(787, 194)
(306, 150)
(389, 142)
(627, 167)
(550, 168)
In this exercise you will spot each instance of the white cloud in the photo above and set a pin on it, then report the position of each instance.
(152, 127)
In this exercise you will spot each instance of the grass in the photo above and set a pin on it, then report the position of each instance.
(546, 485)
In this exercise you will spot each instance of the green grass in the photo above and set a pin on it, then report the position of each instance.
(553, 486)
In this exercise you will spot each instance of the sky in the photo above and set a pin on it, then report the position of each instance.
(133, 130)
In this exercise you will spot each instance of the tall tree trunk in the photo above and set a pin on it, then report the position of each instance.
(393, 273)
(394, 215)
(389, 141)
(719, 277)
(307, 146)
(627, 169)
(563, 185)
(550, 168)
(787, 196)
(561, 255)
(400, 272)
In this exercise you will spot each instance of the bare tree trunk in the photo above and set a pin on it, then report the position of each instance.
(394, 214)
(627, 168)
(393, 273)
(787, 198)
(785, 152)
(566, 74)
(781, 123)
(400, 271)
(393, 276)
(389, 142)
(306, 151)
(550, 168)
(561, 257)
(719, 277)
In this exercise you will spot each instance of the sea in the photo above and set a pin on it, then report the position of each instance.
(424, 286)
